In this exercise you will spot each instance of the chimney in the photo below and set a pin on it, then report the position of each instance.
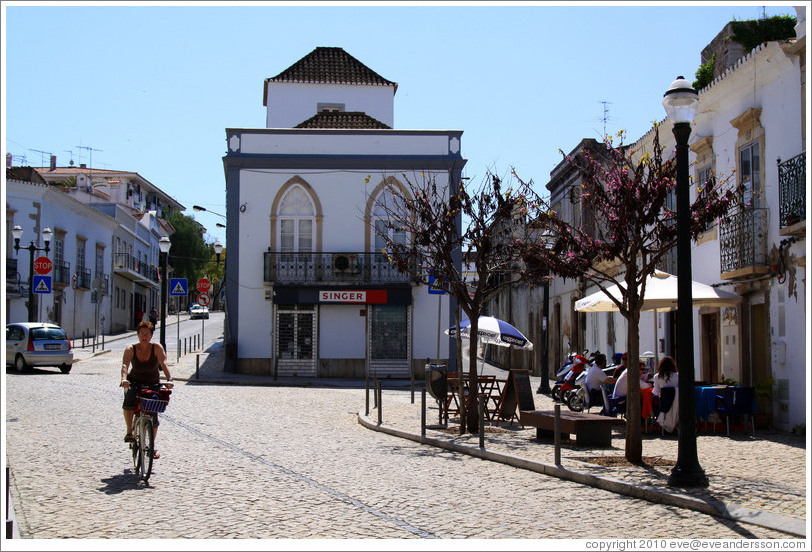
(8, 160)
(53, 162)
(82, 165)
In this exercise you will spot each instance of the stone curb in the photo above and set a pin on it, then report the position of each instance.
(713, 508)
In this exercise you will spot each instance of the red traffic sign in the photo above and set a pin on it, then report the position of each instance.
(204, 299)
(203, 285)
(43, 265)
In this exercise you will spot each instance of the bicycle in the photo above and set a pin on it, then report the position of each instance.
(149, 401)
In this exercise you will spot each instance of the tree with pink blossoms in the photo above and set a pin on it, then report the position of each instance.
(632, 229)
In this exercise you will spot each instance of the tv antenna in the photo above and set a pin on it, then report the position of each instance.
(91, 150)
(42, 155)
(605, 115)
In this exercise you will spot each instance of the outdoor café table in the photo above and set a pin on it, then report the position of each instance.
(646, 399)
(706, 400)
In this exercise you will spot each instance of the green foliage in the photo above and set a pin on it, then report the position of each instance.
(764, 388)
(728, 381)
(704, 75)
(753, 32)
(189, 253)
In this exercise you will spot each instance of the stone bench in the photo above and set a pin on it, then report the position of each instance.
(590, 430)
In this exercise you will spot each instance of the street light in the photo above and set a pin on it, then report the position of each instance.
(164, 244)
(17, 232)
(681, 102)
(547, 241)
(199, 208)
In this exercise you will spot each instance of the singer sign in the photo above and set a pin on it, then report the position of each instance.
(368, 296)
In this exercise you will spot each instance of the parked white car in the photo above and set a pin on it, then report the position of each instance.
(38, 344)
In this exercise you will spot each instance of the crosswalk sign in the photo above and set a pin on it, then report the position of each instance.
(41, 283)
(178, 286)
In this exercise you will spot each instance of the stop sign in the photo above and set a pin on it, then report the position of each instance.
(203, 285)
(43, 265)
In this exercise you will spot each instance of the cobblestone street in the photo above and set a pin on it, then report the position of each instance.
(254, 462)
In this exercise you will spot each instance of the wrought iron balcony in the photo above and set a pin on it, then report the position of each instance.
(12, 276)
(743, 243)
(792, 195)
(83, 278)
(338, 267)
(61, 273)
(135, 269)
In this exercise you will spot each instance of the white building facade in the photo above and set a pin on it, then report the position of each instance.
(750, 132)
(309, 292)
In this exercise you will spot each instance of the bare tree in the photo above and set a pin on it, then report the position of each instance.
(431, 217)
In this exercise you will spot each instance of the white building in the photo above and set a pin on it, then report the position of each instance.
(104, 249)
(308, 292)
(750, 128)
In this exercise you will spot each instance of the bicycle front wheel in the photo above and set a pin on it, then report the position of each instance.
(135, 447)
(146, 445)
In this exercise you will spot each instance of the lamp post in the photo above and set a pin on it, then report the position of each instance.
(547, 241)
(681, 102)
(17, 232)
(164, 244)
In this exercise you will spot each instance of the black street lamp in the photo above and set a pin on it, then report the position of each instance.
(547, 241)
(681, 102)
(17, 232)
(164, 244)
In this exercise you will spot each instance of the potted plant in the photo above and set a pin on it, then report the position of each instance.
(764, 401)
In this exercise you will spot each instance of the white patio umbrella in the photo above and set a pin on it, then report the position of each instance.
(493, 331)
(661, 295)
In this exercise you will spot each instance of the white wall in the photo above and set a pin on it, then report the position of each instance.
(59, 211)
(290, 103)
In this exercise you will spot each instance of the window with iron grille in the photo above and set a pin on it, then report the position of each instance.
(389, 332)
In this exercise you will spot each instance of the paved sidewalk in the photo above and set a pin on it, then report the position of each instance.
(761, 480)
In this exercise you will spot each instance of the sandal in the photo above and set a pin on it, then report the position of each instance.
(129, 438)
(156, 455)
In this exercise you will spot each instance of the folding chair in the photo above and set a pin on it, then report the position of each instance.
(613, 407)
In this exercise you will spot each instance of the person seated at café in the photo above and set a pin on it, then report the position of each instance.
(667, 376)
(621, 367)
(621, 385)
(595, 377)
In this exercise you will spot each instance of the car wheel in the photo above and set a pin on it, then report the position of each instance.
(65, 368)
(19, 364)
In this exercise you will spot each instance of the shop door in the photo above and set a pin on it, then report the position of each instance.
(296, 340)
(389, 341)
(710, 348)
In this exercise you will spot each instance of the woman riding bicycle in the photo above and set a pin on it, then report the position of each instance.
(147, 359)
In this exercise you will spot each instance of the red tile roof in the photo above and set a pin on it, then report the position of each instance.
(330, 66)
(342, 119)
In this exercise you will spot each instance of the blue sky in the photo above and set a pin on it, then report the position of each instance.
(152, 87)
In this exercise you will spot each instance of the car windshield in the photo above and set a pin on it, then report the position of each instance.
(42, 334)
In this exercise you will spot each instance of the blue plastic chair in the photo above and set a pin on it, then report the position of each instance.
(736, 401)
(612, 406)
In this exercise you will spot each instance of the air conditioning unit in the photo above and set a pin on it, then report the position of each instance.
(345, 264)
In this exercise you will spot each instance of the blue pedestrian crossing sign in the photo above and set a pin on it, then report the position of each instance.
(41, 284)
(178, 286)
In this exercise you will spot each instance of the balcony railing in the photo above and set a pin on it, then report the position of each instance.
(61, 272)
(83, 278)
(126, 262)
(743, 243)
(11, 270)
(346, 268)
(792, 190)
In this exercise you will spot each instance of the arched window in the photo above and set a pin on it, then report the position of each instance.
(297, 216)
(384, 203)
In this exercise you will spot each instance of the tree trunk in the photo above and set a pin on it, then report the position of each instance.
(460, 372)
(634, 438)
(472, 403)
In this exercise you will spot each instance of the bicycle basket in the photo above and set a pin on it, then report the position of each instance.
(153, 403)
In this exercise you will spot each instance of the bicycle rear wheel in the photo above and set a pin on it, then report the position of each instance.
(146, 446)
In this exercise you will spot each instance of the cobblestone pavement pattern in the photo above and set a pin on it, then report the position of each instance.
(254, 461)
